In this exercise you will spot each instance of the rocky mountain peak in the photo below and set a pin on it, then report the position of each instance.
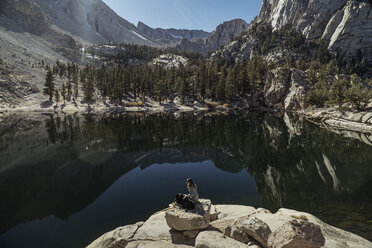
(171, 36)
(231, 29)
(92, 20)
(345, 25)
(223, 34)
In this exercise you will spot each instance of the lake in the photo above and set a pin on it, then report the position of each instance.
(66, 180)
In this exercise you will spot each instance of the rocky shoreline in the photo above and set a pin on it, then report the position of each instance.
(329, 118)
(229, 226)
(357, 121)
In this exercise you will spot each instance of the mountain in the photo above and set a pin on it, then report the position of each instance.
(26, 14)
(38, 32)
(27, 37)
(344, 25)
(92, 20)
(170, 36)
(223, 34)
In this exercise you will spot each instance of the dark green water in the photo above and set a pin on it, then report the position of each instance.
(66, 180)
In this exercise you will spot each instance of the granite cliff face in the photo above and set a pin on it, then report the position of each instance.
(223, 34)
(171, 36)
(345, 25)
(27, 14)
(92, 20)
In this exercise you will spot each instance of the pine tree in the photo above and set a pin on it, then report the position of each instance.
(229, 85)
(56, 97)
(69, 90)
(63, 92)
(49, 84)
(88, 86)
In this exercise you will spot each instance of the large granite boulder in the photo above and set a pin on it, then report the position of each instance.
(153, 244)
(334, 237)
(276, 86)
(295, 98)
(213, 215)
(117, 238)
(247, 228)
(297, 233)
(213, 239)
(228, 214)
(156, 229)
(182, 220)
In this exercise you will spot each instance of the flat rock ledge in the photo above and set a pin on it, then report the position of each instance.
(230, 226)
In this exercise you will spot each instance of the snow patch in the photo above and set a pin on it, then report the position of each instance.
(176, 36)
(134, 32)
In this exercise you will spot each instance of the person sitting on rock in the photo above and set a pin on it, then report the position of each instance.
(194, 196)
(193, 190)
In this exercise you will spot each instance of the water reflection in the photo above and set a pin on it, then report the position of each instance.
(61, 166)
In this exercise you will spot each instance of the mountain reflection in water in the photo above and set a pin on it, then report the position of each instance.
(69, 178)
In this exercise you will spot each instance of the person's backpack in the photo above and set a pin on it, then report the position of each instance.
(184, 202)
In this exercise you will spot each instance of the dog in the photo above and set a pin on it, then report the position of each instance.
(184, 202)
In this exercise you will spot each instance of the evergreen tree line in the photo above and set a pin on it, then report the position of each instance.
(208, 80)
(220, 80)
(126, 54)
(329, 87)
(70, 89)
(212, 80)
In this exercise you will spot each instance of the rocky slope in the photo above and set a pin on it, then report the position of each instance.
(171, 36)
(25, 14)
(27, 40)
(92, 20)
(344, 25)
(223, 34)
(34, 33)
(230, 226)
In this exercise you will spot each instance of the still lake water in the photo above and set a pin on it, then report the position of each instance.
(66, 180)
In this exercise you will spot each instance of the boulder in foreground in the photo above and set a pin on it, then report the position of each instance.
(297, 233)
(117, 238)
(182, 220)
(289, 228)
(213, 239)
(247, 228)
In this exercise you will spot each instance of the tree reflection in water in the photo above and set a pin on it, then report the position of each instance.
(60, 165)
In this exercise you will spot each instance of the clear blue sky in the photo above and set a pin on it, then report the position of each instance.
(188, 14)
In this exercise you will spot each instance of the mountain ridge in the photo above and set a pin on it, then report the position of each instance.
(223, 34)
(345, 25)
(94, 21)
(171, 36)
